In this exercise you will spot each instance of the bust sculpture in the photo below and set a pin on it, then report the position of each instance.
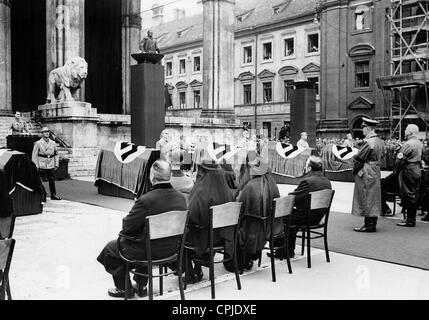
(65, 81)
(150, 52)
(149, 45)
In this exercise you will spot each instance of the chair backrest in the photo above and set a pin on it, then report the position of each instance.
(284, 206)
(321, 199)
(225, 215)
(167, 224)
(7, 224)
(6, 251)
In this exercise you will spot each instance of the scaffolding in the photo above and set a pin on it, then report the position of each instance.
(405, 90)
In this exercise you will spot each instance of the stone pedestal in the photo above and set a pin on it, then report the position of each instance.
(75, 122)
(303, 112)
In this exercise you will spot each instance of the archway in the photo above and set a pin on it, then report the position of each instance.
(356, 127)
(28, 54)
(103, 52)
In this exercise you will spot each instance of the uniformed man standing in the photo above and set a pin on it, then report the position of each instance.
(367, 171)
(19, 126)
(47, 161)
(408, 168)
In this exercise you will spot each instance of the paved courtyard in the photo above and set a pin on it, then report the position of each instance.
(55, 258)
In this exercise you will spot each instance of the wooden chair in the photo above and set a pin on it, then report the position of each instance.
(393, 197)
(6, 251)
(166, 225)
(7, 225)
(222, 216)
(319, 200)
(283, 208)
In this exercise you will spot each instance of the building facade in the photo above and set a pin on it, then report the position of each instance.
(354, 53)
(275, 44)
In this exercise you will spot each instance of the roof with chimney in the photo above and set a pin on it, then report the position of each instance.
(253, 14)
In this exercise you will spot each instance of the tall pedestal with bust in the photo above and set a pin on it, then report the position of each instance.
(147, 102)
(303, 112)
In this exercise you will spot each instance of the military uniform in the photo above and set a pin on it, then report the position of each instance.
(367, 171)
(46, 158)
(18, 127)
(408, 168)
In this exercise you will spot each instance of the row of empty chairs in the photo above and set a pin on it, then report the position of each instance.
(174, 223)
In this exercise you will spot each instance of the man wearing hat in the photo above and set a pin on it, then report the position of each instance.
(408, 169)
(367, 171)
(46, 159)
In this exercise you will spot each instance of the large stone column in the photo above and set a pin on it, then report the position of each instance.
(65, 31)
(131, 35)
(218, 62)
(5, 59)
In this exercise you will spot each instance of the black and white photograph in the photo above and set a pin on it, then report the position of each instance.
(215, 155)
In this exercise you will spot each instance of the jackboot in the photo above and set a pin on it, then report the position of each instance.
(369, 225)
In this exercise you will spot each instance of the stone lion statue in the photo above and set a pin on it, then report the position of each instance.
(65, 81)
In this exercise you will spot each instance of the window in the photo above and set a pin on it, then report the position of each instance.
(289, 47)
(267, 51)
(289, 87)
(182, 100)
(313, 43)
(315, 80)
(267, 126)
(182, 67)
(247, 54)
(362, 74)
(197, 64)
(268, 91)
(169, 69)
(197, 99)
(247, 94)
(362, 18)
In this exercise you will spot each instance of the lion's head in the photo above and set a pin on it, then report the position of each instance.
(77, 67)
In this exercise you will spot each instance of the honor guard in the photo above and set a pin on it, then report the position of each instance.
(408, 168)
(47, 161)
(367, 171)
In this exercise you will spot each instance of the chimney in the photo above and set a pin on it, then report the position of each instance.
(157, 14)
(179, 13)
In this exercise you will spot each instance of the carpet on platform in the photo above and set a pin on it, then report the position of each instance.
(86, 192)
(404, 246)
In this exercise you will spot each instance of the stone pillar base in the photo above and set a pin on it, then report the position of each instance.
(74, 122)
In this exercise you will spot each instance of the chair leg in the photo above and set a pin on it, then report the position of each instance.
(273, 268)
(212, 280)
(394, 205)
(286, 244)
(308, 248)
(325, 238)
(150, 274)
(303, 242)
(7, 285)
(237, 276)
(161, 282)
(180, 275)
(186, 269)
(127, 280)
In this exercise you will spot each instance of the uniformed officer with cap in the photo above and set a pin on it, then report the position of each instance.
(367, 171)
(408, 168)
(46, 158)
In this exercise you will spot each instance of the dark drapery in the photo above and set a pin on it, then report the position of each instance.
(103, 87)
(28, 50)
